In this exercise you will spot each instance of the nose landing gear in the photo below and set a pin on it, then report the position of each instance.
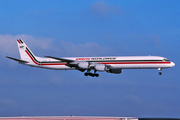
(160, 73)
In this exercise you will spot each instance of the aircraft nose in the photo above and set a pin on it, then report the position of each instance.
(173, 64)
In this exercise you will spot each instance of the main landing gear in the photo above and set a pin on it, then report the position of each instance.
(88, 73)
(91, 74)
(160, 73)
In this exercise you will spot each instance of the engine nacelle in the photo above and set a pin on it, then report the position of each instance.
(83, 65)
(100, 67)
(115, 71)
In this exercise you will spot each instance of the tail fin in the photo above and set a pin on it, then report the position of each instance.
(24, 50)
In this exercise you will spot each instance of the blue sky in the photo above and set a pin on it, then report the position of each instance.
(64, 28)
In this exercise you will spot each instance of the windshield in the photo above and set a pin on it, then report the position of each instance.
(165, 59)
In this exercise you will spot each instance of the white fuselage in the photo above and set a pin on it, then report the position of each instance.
(132, 62)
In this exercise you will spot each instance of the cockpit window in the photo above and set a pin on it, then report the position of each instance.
(165, 59)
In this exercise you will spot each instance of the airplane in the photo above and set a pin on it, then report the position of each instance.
(112, 64)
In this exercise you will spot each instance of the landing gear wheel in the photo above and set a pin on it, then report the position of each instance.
(160, 73)
(91, 74)
(86, 74)
(94, 75)
(97, 75)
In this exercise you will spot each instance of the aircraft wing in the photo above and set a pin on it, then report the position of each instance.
(61, 59)
(85, 65)
(18, 60)
(70, 63)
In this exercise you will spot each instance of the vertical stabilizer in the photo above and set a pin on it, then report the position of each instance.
(22, 50)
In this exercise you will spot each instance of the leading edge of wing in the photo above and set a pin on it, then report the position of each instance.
(61, 59)
(18, 60)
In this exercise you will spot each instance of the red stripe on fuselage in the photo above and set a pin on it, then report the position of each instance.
(53, 64)
(32, 58)
(134, 62)
(43, 63)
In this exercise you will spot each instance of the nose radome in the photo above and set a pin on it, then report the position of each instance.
(173, 64)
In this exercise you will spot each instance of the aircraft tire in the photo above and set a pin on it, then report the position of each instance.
(160, 73)
(86, 74)
(97, 75)
(91, 74)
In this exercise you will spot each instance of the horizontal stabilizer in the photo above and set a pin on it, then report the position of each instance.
(61, 59)
(18, 60)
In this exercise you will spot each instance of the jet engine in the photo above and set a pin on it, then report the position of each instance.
(83, 65)
(100, 67)
(115, 71)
